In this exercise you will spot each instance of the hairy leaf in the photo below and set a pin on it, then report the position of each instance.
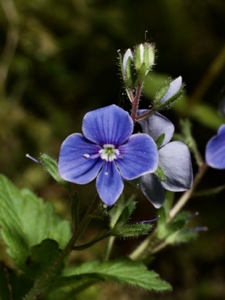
(27, 220)
(123, 271)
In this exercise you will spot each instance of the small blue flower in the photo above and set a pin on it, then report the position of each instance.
(174, 161)
(215, 150)
(107, 150)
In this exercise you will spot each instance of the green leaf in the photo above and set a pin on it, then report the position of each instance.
(123, 271)
(41, 256)
(12, 285)
(27, 220)
(51, 166)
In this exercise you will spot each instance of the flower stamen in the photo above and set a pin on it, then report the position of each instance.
(109, 153)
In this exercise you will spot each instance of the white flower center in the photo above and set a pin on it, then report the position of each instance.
(108, 152)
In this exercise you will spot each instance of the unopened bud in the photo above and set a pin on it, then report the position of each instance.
(127, 68)
(168, 94)
(144, 57)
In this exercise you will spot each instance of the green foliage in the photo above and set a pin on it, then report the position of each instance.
(119, 216)
(26, 221)
(131, 230)
(12, 284)
(121, 211)
(41, 256)
(123, 271)
(176, 230)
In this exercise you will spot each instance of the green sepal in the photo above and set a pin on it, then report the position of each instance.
(140, 75)
(168, 103)
(128, 74)
(161, 92)
(160, 140)
(121, 211)
(176, 230)
(144, 55)
(51, 166)
(131, 230)
(160, 174)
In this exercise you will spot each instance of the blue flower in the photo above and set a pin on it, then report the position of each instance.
(175, 168)
(107, 150)
(215, 150)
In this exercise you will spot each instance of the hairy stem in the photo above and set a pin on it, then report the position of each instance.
(135, 103)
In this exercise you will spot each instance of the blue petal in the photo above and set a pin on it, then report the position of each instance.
(109, 183)
(152, 189)
(139, 156)
(215, 150)
(73, 166)
(107, 125)
(175, 161)
(156, 125)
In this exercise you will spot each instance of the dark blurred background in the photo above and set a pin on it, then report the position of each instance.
(59, 59)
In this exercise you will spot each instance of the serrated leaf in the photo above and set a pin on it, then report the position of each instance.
(27, 220)
(41, 256)
(123, 271)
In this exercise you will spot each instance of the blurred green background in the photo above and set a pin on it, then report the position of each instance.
(58, 60)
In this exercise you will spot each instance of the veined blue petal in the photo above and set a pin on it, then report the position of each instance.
(74, 164)
(139, 156)
(175, 161)
(107, 125)
(173, 89)
(215, 150)
(109, 183)
(156, 125)
(152, 189)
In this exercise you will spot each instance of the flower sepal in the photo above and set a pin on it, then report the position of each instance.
(119, 217)
(144, 56)
(169, 93)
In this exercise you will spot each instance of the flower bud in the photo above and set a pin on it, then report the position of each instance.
(168, 94)
(144, 58)
(127, 68)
